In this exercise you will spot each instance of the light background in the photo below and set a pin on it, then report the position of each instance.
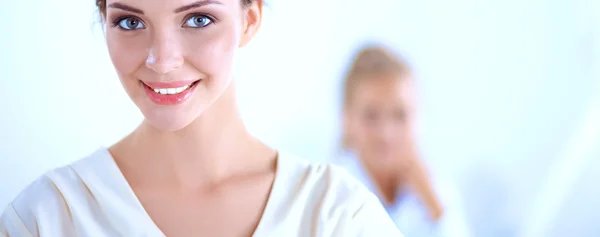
(509, 94)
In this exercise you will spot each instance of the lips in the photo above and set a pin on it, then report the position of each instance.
(169, 93)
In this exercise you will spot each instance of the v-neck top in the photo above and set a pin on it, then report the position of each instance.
(92, 198)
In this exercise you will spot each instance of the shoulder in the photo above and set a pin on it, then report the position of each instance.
(45, 201)
(454, 221)
(40, 200)
(333, 199)
(447, 190)
(324, 178)
(57, 185)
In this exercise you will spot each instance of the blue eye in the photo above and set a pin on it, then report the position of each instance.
(198, 21)
(130, 23)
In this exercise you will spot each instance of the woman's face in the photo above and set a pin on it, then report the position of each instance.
(175, 57)
(378, 119)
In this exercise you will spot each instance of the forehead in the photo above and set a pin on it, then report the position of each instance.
(168, 5)
(383, 91)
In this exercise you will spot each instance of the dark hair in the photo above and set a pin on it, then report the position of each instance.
(101, 4)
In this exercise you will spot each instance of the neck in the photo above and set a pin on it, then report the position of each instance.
(388, 177)
(212, 148)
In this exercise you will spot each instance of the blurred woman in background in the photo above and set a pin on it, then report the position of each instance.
(378, 117)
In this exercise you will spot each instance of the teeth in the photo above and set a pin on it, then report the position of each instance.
(171, 91)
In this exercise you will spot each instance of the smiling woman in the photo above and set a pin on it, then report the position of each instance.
(190, 168)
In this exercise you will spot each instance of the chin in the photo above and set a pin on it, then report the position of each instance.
(170, 119)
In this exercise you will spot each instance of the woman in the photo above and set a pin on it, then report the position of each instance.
(378, 107)
(190, 168)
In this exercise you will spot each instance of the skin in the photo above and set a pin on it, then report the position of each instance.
(189, 163)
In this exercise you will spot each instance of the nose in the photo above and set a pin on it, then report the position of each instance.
(387, 132)
(164, 55)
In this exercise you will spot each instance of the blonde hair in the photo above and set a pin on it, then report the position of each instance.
(372, 63)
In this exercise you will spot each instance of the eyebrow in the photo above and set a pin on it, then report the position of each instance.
(193, 5)
(125, 8)
(196, 4)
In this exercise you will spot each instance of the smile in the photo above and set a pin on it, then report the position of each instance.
(173, 91)
(169, 93)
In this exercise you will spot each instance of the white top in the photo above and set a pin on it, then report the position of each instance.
(92, 198)
(410, 215)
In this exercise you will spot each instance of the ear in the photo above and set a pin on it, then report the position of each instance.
(252, 21)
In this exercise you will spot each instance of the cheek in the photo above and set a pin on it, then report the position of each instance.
(363, 135)
(212, 52)
(126, 52)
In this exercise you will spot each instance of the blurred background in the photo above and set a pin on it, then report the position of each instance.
(509, 95)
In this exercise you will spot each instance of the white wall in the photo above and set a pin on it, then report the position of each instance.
(61, 98)
(503, 84)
